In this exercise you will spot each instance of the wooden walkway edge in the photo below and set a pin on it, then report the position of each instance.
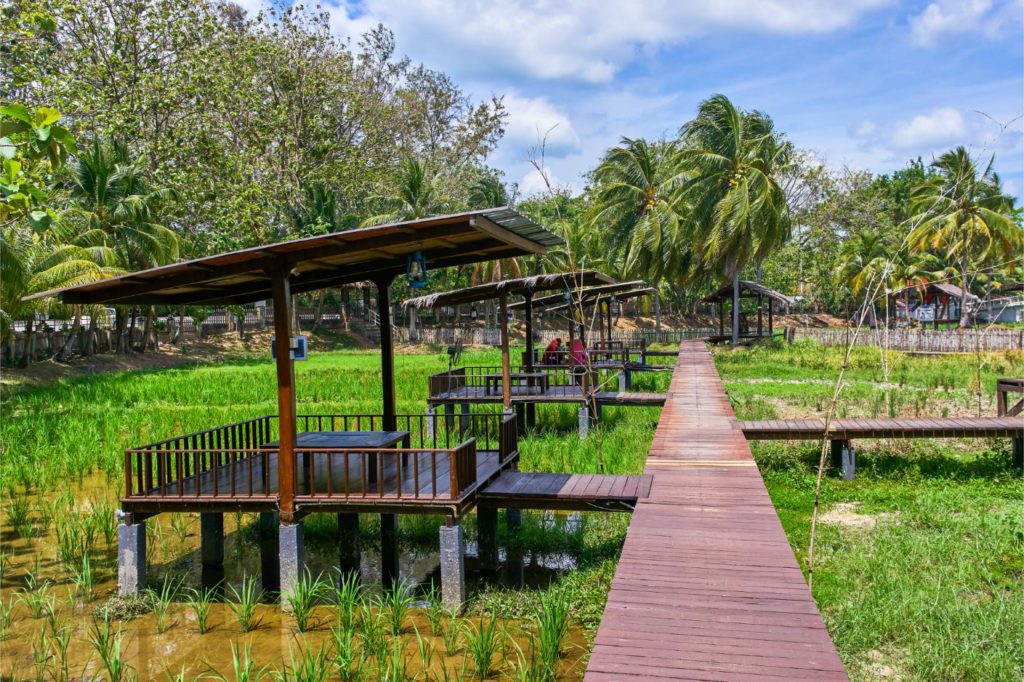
(707, 587)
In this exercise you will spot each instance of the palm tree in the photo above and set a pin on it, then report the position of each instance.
(489, 192)
(32, 262)
(637, 200)
(963, 211)
(121, 210)
(865, 258)
(414, 196)
(739, 208)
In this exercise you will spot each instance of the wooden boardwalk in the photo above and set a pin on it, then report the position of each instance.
(707, 587)
(847, 429)
(576, 492)
(555, 394)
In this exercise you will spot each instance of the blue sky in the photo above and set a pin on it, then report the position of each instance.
(863, 83)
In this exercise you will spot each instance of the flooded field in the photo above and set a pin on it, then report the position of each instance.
(62, 620)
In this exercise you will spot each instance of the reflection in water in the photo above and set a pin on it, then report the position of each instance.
(250, 549)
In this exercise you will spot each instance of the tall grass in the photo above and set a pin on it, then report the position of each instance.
(243, 603)
(302, 599)
(483, 641)
(108, 644)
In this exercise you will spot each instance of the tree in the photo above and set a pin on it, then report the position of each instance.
(865, 259)
(738, 206)
(412, 196)
(963, 211)
(637, 206)
(111, 195)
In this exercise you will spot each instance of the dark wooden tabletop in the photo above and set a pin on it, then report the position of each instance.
(371, 440)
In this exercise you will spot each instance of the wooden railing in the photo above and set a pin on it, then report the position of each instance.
(232, 462)
(168, 466)
(488, 378)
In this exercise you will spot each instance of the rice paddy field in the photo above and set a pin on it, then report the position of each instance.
(919, 570)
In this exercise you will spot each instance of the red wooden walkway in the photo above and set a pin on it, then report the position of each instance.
(707, 587)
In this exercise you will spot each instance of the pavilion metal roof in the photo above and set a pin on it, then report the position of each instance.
(585, 295)
(754, 289)
(620, 295)
(511, 287)
(323, 261)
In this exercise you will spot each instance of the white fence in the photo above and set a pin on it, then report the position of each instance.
(921, 340)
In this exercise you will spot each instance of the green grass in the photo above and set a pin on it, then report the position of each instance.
(933, 590)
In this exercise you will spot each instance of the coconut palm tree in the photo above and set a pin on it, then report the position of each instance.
(415, 196)
(637, 208)
(963, 211)
(866, 258)
(121, 211)
(32, 262)
(739, 208)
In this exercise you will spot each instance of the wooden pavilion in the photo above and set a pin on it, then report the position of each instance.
(932, 303)
(525, 287)
(290, 464)
(766, 299)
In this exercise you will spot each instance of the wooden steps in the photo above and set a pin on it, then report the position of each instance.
(575, 492)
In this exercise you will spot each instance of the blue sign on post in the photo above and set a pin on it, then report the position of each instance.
(298, 351)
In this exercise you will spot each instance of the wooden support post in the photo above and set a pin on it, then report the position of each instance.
(1018, 455)
(270, 568)
(608, 310)
(387, 353)
(771, 321)
(760, 325)
(506, 370)
(721, 317)
(844, 459)
(389, 549)
(531, 408)
(349, 547)
(600, 320)
(487, 537)
(211, 548)
(285, 392)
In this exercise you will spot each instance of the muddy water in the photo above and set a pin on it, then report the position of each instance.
(173, 544)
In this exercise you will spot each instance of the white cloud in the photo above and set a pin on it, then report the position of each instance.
(533, 183)
(949, 17)
(588, 40)
(943, 126)
(533, 119)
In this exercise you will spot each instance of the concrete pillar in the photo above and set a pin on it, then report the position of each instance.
(623, 381)
(487, 537)
(465, 423)
(349, 548)
(453, 566)
(292, 551)
(513, 520)
(520, 410)
(388, 549)
(449, 416)
(270, 567)
(844, 459)
(584, 421)
(431, 426)
(131, 558)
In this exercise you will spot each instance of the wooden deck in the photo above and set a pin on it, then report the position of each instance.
(573, 492)
(251, 484)
(707, 587)
(848, 429)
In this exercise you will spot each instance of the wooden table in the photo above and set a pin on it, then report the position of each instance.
(356, 440)
(539, 379)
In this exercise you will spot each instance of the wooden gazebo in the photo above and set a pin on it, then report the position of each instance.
(766, 299)
(292, 464)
